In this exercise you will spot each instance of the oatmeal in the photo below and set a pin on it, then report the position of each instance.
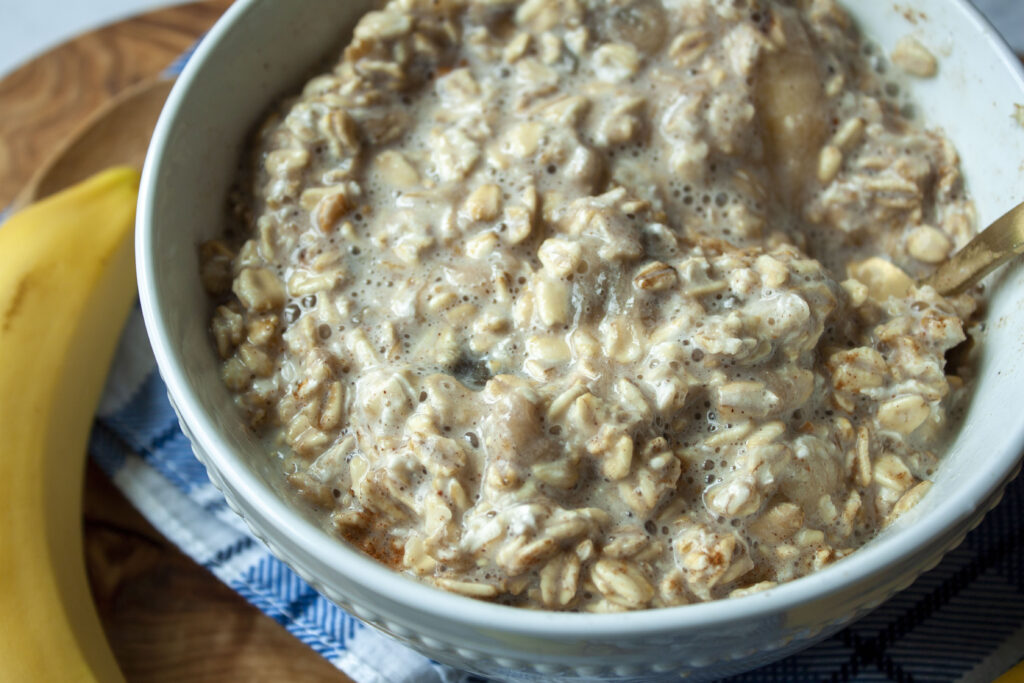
(597, 306)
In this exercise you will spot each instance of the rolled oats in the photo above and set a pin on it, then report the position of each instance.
(914, 58)
(622, 583)
(596, 306)
(829, 161)
(928, 244)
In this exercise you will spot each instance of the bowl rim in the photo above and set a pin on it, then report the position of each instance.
(853, 572)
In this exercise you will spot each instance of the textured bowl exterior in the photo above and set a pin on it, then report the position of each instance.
(728, 649)
(263, 49)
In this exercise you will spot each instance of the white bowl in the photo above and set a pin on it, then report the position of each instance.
(263, 49)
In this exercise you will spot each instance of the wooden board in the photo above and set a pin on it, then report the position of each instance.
(167, 618)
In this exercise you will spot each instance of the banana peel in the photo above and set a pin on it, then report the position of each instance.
(67, 284)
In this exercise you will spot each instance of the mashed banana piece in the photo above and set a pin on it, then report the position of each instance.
(596, 305)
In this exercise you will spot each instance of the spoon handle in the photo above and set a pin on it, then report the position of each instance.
(991, 248)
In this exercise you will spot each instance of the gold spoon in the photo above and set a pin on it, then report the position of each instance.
(991, 248)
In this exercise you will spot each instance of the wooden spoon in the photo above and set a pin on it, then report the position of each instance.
(118, 133)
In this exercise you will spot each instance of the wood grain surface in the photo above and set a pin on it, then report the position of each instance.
(166, 617)
(45, 100)
(117, 133)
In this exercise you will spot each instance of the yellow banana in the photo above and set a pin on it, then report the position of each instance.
(67, 283)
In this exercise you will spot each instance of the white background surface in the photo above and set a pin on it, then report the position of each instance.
(30, 27)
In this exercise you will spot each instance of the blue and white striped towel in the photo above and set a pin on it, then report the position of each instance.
(962, 621)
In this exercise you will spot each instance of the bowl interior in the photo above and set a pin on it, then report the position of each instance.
(263, 49)
(971, 100)
(258, 52)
